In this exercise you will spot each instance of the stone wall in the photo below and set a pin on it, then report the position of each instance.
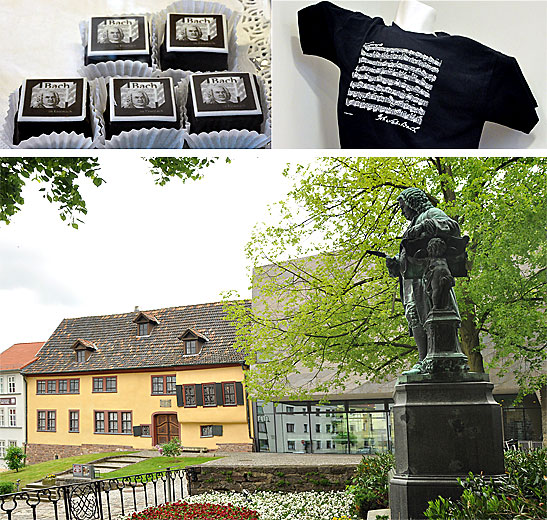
(235, 447)
(268, 478)
(43, 452)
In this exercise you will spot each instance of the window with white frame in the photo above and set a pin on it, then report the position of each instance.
(11, 384)
(12, 443)
(2, 449)
(1, 385)
(2, 417)
(12, 412)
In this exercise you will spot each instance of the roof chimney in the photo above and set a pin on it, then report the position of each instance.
(136, 308)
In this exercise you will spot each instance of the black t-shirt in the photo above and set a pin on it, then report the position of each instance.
(400, 89)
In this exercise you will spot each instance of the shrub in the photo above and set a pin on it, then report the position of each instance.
(15, 458)
(6, 488)
(171, 449)
(520, 493)
(183, 511)
(370, 484)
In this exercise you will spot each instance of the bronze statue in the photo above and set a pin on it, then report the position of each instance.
(432, 252)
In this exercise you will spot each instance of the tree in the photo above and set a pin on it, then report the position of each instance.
(15, 458)
(60, 178)
(337, 310)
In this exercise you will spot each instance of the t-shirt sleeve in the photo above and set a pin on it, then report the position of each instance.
(510, 101)
(323, 27)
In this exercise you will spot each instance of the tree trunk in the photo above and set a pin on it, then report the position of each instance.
(543, 400)
(470, 343)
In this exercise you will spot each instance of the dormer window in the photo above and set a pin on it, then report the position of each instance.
(83, 350)
(143, 329)
(191, 347)
(193, 342)
(145, 323)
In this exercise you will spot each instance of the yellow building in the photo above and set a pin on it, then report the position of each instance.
(135, 380)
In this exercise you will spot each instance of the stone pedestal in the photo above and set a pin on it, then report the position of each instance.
(444, 353)
(445, 425)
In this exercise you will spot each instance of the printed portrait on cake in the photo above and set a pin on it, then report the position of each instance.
(141, 99)
(194, 29)
(118, 36)
(194, 32)
(50, 95)
(223, 90)
(229, 93)
(142, 95)
(117, 31)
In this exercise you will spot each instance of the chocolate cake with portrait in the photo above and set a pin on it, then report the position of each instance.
(196, 42)
(224, 101)
(135, 103)
(112, 38)
(52, 105)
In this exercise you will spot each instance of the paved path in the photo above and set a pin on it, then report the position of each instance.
(283, 459)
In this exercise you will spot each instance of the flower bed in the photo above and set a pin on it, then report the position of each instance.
(311, 505)
(185, 511)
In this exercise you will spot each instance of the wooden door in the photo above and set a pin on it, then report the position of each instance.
(167, 428)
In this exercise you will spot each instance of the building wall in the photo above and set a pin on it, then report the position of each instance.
(134, 394)
(11, 434)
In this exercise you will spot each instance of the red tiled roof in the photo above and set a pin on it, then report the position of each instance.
(118, 347)
(19, 355)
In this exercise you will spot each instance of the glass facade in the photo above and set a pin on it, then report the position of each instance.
(364, 427)
(522, 421)
(341, 427)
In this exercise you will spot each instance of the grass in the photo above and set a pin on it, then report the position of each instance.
(156, 464)
(36, 472)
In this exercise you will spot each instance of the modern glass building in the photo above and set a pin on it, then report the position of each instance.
(362, 426)
(339, 427)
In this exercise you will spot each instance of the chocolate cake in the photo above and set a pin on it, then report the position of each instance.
(113, 38)
(196, 42)
(224, 101)
(52, 105)
(135, 103)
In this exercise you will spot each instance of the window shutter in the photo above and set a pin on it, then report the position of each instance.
(217, 430)
(137, 431)
(239, 393)
(220, 396)
(199, 395)
(180, 399)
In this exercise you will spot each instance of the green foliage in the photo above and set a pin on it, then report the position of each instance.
(520, 494)
(184, 168)
(339, 309)
(173, 448)
(6, 488)
(370, 484)
(15, 458)
(60, 180)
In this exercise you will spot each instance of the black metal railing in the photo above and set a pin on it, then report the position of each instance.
(105, 499)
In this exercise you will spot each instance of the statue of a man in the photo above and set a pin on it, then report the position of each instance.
(426, 281)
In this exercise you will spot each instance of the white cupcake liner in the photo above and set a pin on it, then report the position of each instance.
(146, 138)
(201, 6)
(84, 29)
(60, 140)
(167, 138)
(116, 68)
(233, 138)
(227, 139)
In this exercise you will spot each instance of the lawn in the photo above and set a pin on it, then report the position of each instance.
(156, 464)
(36, 472)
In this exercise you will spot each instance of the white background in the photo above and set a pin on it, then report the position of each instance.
(305, 88)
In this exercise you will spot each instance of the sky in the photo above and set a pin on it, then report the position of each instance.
(140, 245)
